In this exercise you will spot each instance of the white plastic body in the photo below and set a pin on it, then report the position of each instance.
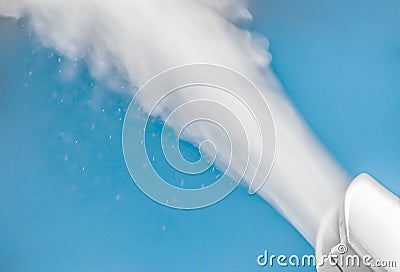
(366, 224)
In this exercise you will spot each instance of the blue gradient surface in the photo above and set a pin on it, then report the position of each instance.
(67, 202)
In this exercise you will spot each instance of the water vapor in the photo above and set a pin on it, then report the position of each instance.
(139, 39)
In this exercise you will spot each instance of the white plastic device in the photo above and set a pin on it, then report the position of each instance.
(363, 232)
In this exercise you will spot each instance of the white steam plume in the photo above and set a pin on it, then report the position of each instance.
(143, 38)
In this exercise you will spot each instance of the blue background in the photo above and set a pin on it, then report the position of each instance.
(67, 202)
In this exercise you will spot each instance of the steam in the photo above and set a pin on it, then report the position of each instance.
(139, 39)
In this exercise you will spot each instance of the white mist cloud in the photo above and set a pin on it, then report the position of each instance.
(142, 38)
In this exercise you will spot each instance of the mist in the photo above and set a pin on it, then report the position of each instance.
(140, 39)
